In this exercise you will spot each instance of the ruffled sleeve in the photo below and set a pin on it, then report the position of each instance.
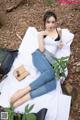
(30, 42)
(67, 37)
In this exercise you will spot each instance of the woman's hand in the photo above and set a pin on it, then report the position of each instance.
(19, 93)
(61, 45)
(42, 34)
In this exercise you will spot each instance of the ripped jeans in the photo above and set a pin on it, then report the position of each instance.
(46, 82)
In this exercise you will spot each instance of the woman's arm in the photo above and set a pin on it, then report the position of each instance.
(41, 40)
(61, 44)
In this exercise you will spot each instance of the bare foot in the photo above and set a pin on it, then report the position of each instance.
(21, 100)
(20, 93)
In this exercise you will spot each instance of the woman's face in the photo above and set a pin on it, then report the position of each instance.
(50, 23)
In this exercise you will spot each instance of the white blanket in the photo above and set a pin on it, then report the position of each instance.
(58, 105)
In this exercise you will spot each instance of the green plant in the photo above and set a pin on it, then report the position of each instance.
(27, 115)
(10, 112)
(59, 66)
(18, 116)
(48, 2)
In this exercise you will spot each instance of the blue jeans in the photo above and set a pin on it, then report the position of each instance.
(46, 81)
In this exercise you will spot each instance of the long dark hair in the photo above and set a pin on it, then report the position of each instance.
(47, 15)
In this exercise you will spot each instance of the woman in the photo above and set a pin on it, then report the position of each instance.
(49, 42)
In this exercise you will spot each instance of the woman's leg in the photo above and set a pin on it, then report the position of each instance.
(22, 100)
(47, 75)
(49, 86)
(47, 72)
(40, 62)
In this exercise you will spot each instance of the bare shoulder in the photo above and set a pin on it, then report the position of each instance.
(40, 32)
(59, 29)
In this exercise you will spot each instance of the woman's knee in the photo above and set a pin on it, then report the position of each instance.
(51, 86)
(50, 74)
(47, 87)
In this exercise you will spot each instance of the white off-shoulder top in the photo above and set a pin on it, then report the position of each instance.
(51, 44)
(32, 43)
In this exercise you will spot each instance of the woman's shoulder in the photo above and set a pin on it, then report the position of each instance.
(59, 28)
(59, 31)
(40, 31)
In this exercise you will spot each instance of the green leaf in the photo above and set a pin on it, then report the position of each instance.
(31, 116)
(31, 107)
(60, 65)
(28, 109)
(24, 117)
(10, 113)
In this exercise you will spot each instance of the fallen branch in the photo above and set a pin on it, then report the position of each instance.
(19, 36)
